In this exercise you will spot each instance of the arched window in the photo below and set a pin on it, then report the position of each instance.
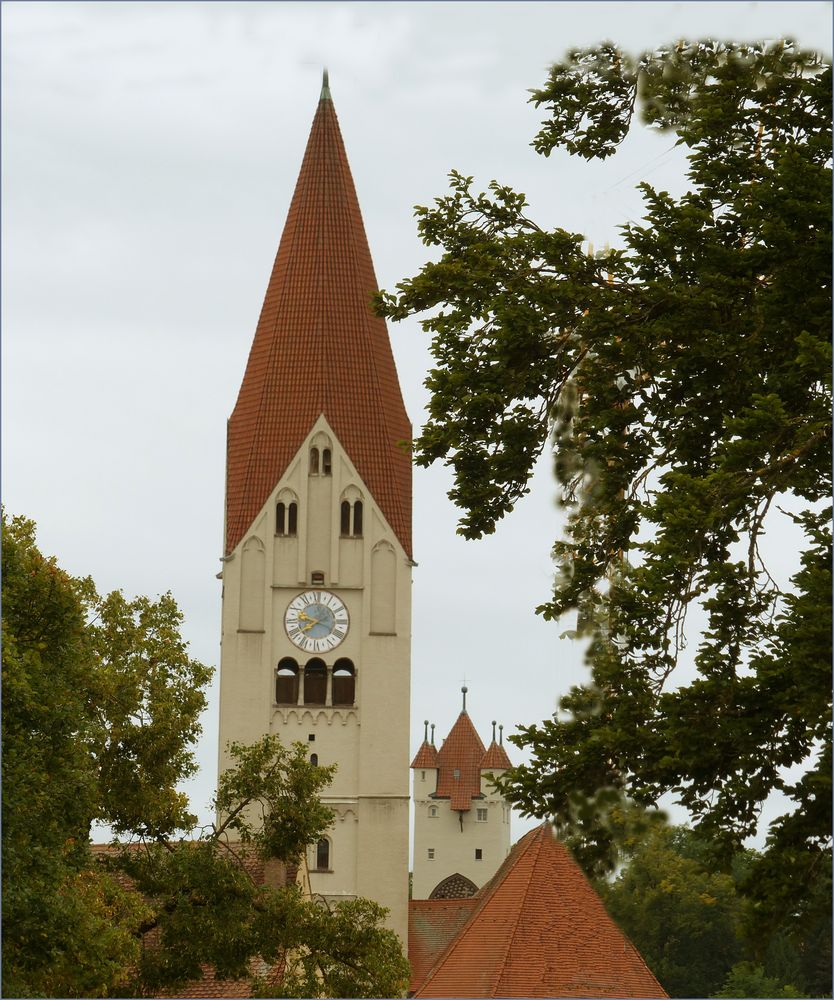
(314, 461)
(456, 886)
(323, 855)
(433, 814)
(286, 513)
(350, 514)
(314, 759)
(344, 682)
(315, 682)
(286, 682)
(326, 462)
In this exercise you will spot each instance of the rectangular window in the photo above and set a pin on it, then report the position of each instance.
(482, 815)
(478, 854)
(431, 854)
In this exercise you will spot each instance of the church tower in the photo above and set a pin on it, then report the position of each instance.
(461, 821)
(316, 628)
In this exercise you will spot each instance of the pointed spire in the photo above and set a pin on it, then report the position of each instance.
(319, 349)
(325, 87)
(501, 731)
(464, 690)
(432, 734)
(493, 730)
(426, 731)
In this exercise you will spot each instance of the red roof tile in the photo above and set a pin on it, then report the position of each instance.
(319, 349)
(459, 763)
(426, 756)
(539, 930)
(432, 924)
(495, 758)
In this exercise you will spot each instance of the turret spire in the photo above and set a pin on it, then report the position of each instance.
(464, 689)
(325, 87)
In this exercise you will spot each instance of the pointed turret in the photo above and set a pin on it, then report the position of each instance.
(319, 349)
(459, 763)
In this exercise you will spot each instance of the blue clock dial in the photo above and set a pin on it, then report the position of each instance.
(316, 621)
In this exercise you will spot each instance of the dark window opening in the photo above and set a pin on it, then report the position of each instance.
(315, 682)
(311, 737)
(286, 682)
(326, 462)
(317, 578)
(323, 855)
(314, 759)
(357, 518)
(344, 682)
(286, 518)
(344, 528)
(314, 461)
(478, 854)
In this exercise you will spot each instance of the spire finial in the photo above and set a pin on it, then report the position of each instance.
(501, 732)
(325, 87)
(464, 689)
(426, 731)
(432, 734)
(493, 730)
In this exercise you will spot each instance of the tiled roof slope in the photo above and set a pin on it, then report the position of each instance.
(318, 348)
(462, 752)
(495, 758)
(432, 924)
(539, 930)
(426, 756)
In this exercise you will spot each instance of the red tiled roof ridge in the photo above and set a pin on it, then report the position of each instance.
(481, 897)
(319, 350)
(535, 842)
(577, 936)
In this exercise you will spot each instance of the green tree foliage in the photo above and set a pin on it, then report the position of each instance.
(684, 381)
(749, 980)
(687, 921)
(101, 706)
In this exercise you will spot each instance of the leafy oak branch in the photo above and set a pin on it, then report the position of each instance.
(683, 382)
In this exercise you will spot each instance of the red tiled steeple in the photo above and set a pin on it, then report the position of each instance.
(459, 763)
(319, 349)
(537, 929)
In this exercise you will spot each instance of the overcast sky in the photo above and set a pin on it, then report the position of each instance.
(149, 154)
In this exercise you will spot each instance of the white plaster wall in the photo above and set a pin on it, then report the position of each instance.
(455, 836)
(369, 742)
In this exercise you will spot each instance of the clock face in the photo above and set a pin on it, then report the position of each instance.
(316, 621)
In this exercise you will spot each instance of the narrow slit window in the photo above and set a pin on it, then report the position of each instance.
(314, 461)
(326, 462)
(292, 519)
(280, 519)
(314, 759)
(357, 518)
(344, 528)
(323, 855)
